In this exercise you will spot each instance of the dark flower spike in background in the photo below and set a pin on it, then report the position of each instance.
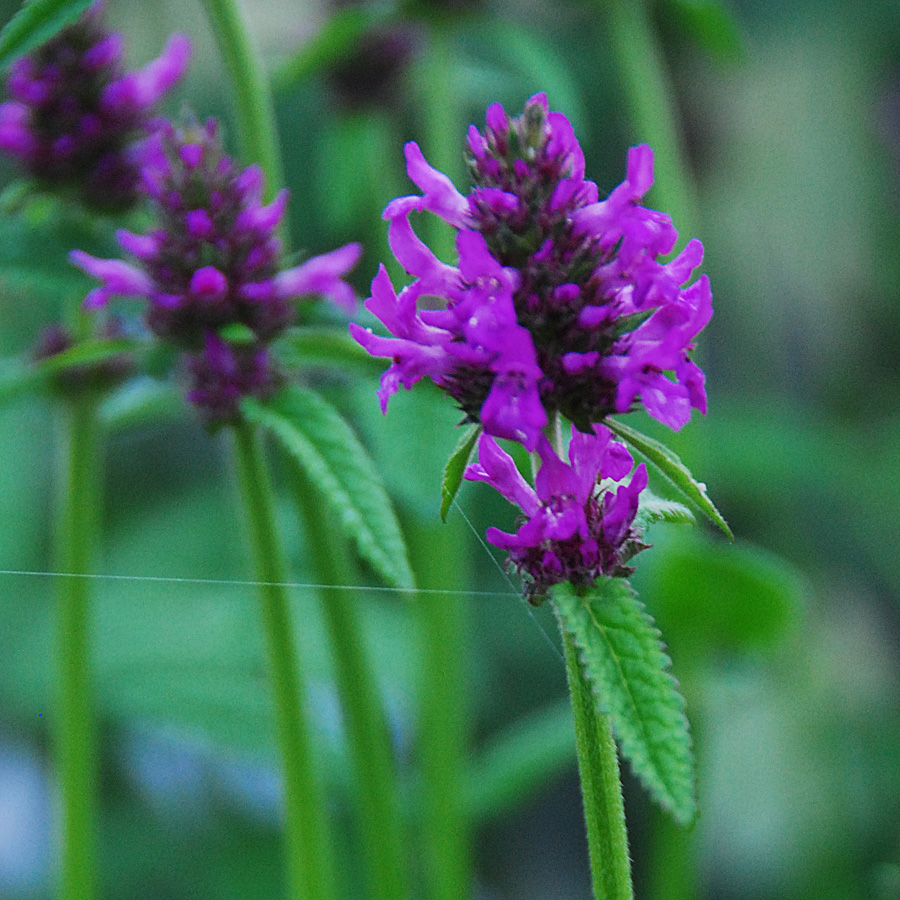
(76, 116)
(559, 302)
(580, 518)
(212, 262)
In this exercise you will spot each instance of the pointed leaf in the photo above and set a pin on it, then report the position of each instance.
(655, 509)
(318, 439)
(36, 22)
(456, 466)
(624, 659)
(326, 347)
(673, 469)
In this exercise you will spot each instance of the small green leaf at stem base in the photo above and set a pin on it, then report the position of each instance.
(624, 659)
(674, 470)
(321, 442)
(456, 467)
(36, 22)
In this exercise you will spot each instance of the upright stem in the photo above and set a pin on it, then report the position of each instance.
(364, 717)
(254, 106)
(598, 764)
(442, 126)
(309, 851)
(75, 731)
(651, 102)
(601, 787)
(439, 558)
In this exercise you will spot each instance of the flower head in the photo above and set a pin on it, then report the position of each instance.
(213, 261)
(580, 514)
(76, 115)
(559, 301)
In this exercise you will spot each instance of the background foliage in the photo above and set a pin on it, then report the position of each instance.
(785, 644)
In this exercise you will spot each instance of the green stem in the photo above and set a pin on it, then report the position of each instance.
(651, 101)
(75, 731)
(254, 106)
(598, 763)
(442, 126)
(366, 726)
(309, 850)
(439, 553)
(601, 787)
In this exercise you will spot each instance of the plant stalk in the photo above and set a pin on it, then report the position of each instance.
(439, 559)
(365, 722)
(651, 102)
(601, 787)
(75, 739)
(254, 105)
(308, 844)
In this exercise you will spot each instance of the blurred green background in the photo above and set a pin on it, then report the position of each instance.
(786, 643)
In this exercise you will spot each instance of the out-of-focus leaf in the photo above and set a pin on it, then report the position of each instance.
(711, 25)
(18, 377)
(517, 762)
(319, 440)
(319, 346)
(710, 597)
(673, 468)
(623, 658)
(142, 401)
(36, 22)
(456, 467)
(655, 509)
(337, 38)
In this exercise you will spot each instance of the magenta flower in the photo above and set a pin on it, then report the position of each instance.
(213, 261)
(559, 301)
(580, 521)
(76, 116)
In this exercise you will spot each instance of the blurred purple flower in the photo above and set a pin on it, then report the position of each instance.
(221, 374)
(76, 116)
(213, 260)
(578, 526)
(559, 302)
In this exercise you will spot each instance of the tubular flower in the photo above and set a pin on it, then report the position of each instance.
(213, 261)
(580, 518)
(559, 302)
(76, 116)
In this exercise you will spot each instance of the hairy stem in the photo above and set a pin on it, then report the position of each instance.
(377, 793)
(601, 788)
(308, 844)
(75, 741)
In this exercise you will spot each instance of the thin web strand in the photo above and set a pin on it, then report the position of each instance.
(518, 593)
(229, 582)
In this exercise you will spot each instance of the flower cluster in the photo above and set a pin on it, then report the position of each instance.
(580, 523)
(212, 262)
(559, 302)
(76, 116)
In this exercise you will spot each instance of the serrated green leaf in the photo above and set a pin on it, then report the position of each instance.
(319, 440)
(673, 469)
(623, 657)
(456, 467)
(656, 509)
(36, 22)
(325, 347)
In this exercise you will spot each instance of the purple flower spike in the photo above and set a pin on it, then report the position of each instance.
(213, 261)
(76, 116)
(569, 286)
(577, 529)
